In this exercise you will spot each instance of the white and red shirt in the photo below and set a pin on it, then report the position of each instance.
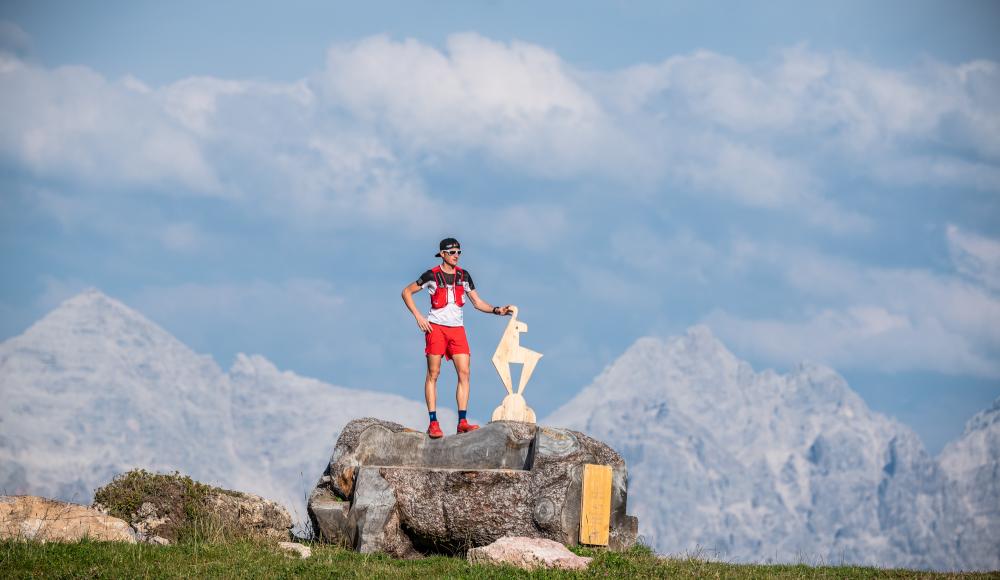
(451, 313)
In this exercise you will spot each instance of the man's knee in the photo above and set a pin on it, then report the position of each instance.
(463, 374)
(432, 375)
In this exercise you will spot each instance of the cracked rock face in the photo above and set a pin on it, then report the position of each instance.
(391, 489)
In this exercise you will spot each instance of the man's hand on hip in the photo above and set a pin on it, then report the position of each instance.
(423, 324)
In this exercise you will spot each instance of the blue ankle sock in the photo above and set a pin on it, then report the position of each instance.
(461, 414)
(434, 415)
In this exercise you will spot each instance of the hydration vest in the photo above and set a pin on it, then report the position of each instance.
(439, 299)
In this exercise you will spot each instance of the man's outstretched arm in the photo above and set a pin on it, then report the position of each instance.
(484, 306)
(408, 293)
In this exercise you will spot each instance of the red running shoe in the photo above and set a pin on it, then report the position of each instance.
(464, 426)
(434, 430)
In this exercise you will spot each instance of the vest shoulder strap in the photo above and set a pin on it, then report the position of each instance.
(437, 271)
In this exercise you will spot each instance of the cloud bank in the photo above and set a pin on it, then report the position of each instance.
(804, 138)
(356, 135)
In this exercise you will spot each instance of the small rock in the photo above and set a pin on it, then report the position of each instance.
(528, 554)
(145, 523)
(27, 517)
(302, 551)
(158, 540)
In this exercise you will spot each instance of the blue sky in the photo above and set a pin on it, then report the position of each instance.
(812, 182)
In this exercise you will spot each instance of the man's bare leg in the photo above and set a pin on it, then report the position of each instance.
(462, 392)
(462, 370)
(430, 394)
(430, 382)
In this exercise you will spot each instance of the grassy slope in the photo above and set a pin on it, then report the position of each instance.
(249, 560)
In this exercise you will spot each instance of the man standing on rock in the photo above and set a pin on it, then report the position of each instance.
(444, 330)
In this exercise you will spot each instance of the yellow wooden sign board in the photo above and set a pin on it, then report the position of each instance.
(595, 509)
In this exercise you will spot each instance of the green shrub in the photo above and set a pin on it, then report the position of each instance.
(179, 499)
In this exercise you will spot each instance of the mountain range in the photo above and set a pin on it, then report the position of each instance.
(769, 467)
(724, 461)
(94, 389)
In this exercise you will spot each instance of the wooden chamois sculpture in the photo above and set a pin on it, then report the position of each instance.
(514, 407)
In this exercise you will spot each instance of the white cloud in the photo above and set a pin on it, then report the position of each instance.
(775, 134)
(517, 102)
(803, 91)
(791, 303)
(194, 101)
(704, 121)
(70, 122)
(756, 177)
(859, 316)
(350, 176)
(858, 337)
(977, 257)
(964, 308)
(253, 143)
(349, 146)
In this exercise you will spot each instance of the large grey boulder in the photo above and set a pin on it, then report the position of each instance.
(392, 489)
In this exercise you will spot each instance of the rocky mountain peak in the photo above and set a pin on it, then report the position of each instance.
(90, 306)
(95, 319)
(985, 418)
(747, 462)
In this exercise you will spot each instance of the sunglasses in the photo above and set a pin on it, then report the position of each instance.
(453, 252)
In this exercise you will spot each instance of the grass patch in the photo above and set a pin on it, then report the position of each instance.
(255, 560)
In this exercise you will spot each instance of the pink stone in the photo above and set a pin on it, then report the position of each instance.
(528, 554)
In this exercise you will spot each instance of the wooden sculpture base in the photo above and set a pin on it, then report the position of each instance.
(514, 408)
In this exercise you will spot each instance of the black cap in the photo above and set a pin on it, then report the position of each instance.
(447, 244)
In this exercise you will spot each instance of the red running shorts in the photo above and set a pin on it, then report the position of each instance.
(446, 340)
